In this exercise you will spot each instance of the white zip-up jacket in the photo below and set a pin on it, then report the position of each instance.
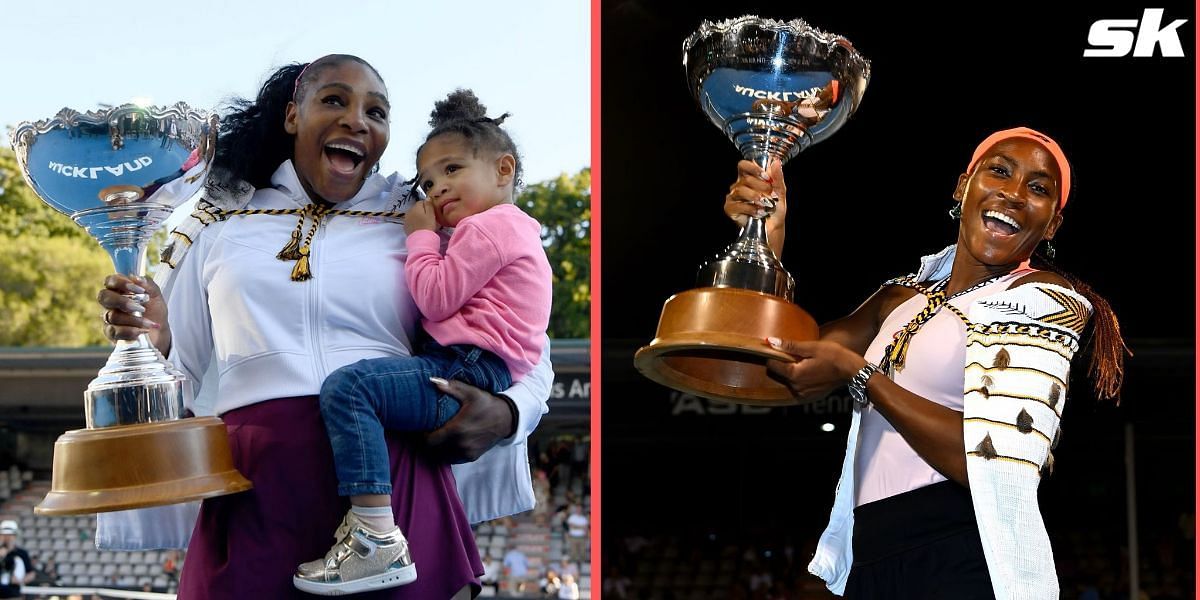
(1018, 358)
(232, 305)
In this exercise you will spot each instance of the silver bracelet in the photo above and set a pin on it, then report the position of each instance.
(858, 384)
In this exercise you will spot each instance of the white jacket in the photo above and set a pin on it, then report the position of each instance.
(1018, 358)
(233, 305)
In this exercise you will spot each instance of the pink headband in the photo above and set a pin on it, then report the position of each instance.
(1064, 168)
(296, 86)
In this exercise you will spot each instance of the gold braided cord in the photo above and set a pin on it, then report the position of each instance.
(291, 251)
(294, 249)
(224, 214)
(893, 355)
(899, 346)
(961, 316)
(301, 271)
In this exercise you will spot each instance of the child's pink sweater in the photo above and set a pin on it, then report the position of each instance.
(491, 289)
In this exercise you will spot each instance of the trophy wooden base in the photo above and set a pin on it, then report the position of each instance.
(137, 466)
(711, 342)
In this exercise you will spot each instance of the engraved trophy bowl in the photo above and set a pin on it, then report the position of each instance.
(119, 173)
(774, 88)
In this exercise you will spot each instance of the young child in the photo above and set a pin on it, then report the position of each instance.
(486, 306)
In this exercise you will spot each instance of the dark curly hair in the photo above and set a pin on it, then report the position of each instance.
(252, 141)
(462, 113)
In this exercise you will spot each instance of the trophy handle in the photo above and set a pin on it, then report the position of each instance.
(137, 384)
(749, 263)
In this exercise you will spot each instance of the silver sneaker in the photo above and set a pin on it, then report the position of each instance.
(361, 560)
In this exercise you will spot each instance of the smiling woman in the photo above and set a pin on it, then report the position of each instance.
(938, 494)
(1012, 189)
(275, 324)
(339, 115)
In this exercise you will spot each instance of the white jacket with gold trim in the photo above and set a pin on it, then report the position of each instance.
(1018, 358)
(273, 360)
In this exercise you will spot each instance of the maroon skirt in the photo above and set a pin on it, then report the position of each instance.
(248, 545)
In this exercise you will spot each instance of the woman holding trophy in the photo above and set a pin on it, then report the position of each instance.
(938, 493)
(276, 322)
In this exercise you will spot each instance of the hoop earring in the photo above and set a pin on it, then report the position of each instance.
(1050, 251)
(956, 211)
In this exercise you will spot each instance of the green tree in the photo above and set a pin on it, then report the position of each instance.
(563, 207)
(50, 270)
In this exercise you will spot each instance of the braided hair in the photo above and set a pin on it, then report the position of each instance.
(1102, 335)
(462, 113)
(252, 141)
(1107, 346)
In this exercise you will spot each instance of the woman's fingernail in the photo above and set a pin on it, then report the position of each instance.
(139, 279)
(134, 307)
(136, 289)
(774, 194)
(439, 381)
(775, 342)
(765, 202)
(761, 213)
(151, 324)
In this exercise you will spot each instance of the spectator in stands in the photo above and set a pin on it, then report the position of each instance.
(579, 457)
(760, 578)
(550, 584)
(616, 585)
(516, 565)
(577, 534)
(566, 567)
(170, 566)
(562, 467)
(491, 574)
(16, 568)
(541, 494)
(49, 572)
(559, 520)
(569, 589)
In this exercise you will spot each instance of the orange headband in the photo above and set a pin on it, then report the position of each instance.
(1064, 168)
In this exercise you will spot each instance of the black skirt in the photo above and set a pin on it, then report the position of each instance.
(919, 545)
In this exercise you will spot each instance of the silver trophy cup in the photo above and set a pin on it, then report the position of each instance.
(774, 88)
(119, 173)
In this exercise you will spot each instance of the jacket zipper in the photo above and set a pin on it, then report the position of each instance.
(314, 297)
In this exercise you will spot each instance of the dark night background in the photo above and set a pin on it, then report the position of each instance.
(865, 206)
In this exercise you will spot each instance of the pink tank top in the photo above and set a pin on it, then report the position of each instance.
(885, 465)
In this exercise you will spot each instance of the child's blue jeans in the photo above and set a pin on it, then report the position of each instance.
(359, 401)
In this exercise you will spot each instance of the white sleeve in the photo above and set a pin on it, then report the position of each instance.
(187, 313)
(1018, 364)
(499, 482)
(530, 395)
(18, 572)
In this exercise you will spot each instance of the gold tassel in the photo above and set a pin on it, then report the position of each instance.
(167, 253)
(899, 348)
(300, 272)
(292, 250)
